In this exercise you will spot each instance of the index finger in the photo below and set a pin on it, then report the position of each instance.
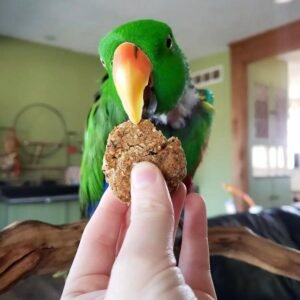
(194, 255)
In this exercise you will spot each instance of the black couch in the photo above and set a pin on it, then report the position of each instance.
(235, 280)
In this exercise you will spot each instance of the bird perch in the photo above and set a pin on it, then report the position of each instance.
(33, 247)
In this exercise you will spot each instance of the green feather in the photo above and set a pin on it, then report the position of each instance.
(170, 69)
(103, 117)
(170, 78)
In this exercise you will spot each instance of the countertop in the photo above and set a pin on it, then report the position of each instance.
(38, 194)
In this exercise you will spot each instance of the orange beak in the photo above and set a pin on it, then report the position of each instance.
(131, 74)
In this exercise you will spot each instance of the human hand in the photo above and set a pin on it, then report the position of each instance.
(128, 253)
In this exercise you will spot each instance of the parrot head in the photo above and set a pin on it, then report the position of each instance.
(148, 69)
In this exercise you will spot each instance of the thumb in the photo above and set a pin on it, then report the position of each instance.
(152, 216)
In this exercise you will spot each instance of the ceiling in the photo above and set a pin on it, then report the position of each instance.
(200, 27)
(291, 57)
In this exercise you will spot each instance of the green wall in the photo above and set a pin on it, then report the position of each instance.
(216, 168)
(66, 80)
(272, 72)
(217, 165)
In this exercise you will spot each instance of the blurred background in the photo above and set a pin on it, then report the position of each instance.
(50, 72)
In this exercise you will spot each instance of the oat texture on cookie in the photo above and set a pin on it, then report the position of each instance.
(129, 144)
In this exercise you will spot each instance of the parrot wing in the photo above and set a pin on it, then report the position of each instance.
(102, 118)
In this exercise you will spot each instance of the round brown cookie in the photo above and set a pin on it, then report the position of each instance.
(128, 144)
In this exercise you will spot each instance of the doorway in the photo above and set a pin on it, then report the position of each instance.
(243, 53)
(274, 124)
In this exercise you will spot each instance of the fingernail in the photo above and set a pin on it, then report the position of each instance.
(143, 175)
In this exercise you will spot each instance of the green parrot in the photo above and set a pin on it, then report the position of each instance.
(147, 77)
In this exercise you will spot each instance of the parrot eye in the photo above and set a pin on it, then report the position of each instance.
(102, 62)
(169, 41)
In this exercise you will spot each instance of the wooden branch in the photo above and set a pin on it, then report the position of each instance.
(33, 247)
(242, 244)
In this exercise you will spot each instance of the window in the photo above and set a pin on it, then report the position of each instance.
(269, 161)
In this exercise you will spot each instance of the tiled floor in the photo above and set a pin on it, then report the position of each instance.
(36, 288)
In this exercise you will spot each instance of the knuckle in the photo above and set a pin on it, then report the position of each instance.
(151, 203)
